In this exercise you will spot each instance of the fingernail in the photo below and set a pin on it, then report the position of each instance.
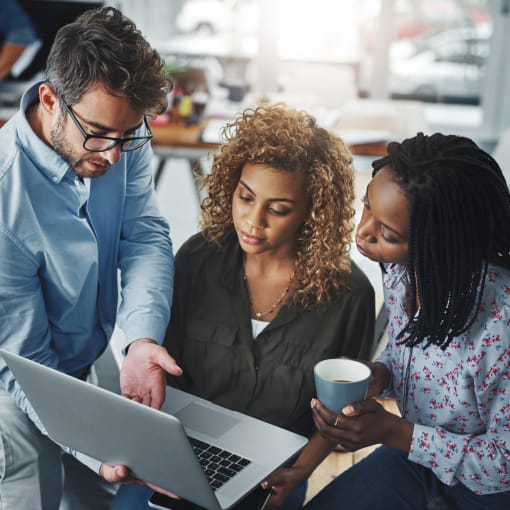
(348, 410)
(313, 403)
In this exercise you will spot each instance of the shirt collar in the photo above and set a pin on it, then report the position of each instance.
(394, 275)
(47, 160)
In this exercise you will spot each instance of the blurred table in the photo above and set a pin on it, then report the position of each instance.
(365, 125)
(182, 141)
(361, 122)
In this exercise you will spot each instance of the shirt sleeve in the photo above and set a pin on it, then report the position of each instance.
(385, 359)
(146, 259)
(25, 326)
(481, 461)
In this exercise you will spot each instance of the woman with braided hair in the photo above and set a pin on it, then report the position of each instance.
(437, 218)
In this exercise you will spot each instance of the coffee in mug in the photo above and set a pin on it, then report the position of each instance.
(340, 382)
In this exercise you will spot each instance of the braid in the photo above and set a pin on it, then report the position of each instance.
(459, 217)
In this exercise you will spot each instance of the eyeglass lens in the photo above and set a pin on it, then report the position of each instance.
(97, 144)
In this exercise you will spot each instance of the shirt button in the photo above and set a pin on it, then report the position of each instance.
(55, 179)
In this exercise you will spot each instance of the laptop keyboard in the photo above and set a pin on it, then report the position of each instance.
(219, 465)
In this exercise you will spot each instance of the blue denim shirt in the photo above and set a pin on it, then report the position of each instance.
(62, 242)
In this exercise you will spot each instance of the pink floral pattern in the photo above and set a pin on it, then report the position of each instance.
(459, 398)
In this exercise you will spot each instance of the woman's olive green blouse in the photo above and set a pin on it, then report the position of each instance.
(271, 377)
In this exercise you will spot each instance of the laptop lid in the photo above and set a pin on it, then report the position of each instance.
(154, 444)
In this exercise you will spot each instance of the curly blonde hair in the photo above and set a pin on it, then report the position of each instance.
(291, 140)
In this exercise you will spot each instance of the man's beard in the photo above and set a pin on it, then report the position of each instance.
(65, 151)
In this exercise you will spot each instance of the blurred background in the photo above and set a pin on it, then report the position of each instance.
(369, 70)
(449, 54)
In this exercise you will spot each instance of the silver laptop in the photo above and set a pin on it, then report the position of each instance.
(163, 448)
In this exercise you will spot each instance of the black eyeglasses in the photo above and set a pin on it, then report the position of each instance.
(95, 143)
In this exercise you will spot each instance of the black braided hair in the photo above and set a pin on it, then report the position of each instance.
(459, 222)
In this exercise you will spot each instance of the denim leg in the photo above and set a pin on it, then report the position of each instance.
(31, 472)
(385, 480)
(132, 497)
(468, 500)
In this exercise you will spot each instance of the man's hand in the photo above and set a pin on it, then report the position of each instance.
(121, 474)
(142, 376)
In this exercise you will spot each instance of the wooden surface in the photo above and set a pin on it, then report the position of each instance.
(183, 136)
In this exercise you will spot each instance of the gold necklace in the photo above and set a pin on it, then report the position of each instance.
(259, 315)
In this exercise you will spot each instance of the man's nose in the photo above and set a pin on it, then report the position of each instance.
(113, 155)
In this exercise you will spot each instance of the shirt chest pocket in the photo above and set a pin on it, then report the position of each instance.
(207, 331)
(211, 352)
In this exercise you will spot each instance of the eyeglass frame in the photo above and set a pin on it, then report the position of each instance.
(116, 141)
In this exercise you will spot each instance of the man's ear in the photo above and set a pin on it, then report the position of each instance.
(48, 98)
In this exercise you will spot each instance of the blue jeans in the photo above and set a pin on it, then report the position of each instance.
(134, 497)
(35, 474)
(387, 480)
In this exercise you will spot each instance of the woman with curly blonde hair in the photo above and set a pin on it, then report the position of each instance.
(267, 289)
(291, 140)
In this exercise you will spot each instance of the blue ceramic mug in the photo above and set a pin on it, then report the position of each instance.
(339, 382)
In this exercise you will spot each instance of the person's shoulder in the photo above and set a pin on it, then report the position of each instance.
(359, 282)
(357, 289)
(489, 331)
(201, 245)
(197, 243)
(497, 281)
(495, 272)
(9, 144)
(9, 131)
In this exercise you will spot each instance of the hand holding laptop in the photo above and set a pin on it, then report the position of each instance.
(178, 442)
(143, 380)
(121, 474)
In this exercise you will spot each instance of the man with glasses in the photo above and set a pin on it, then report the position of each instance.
(77, 206)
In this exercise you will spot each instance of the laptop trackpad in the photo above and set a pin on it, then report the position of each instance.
(205, 420)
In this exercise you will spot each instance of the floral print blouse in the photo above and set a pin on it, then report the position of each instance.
(459, 398)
